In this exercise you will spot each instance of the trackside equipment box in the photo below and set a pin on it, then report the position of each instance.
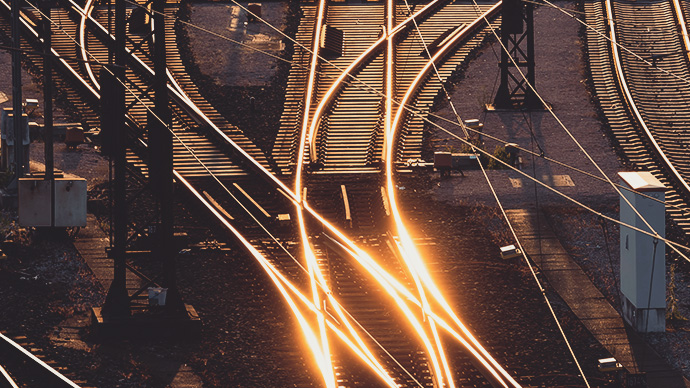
(35, 202)
(643, 258)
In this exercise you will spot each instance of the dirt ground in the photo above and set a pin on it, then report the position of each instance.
(561, 81)
(47, 288)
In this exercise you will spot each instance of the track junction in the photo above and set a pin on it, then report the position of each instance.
(347, 266)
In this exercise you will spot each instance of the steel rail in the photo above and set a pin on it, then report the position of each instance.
(437, 373)
(441, 367)
(325, 361)
(434, 352)
(7, 378)
(291, 195)
(59, 379)
(633, 106)
(680, 18)
(493, 375)
(332, 92)
(65, 66)
(82, 42)
(283, 285)
(493, 372)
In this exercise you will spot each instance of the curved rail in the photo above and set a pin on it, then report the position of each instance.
(178, 96)
(491, 370)
(678, 9)
(65, 66)
(82, 42)
(631, 102)
(330, 95)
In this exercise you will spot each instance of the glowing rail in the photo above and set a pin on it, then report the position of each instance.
(88, 7)
(490, 368)
(394, 288)
(338, 83)
(680, 17)
(287, 289)
(315, 275)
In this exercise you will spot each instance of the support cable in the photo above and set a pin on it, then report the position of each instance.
(493, 191)
(572, 137)
(605, 179)
(358, 84)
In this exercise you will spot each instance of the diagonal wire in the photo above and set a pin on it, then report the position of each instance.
(192, 152)
(572, 137)
(365, 87)
(493, 191)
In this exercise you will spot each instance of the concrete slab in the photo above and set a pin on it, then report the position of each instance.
(587, 302)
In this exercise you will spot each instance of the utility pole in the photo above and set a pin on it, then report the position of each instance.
(117, 302)
(165, 313)
(517, 55)
(161, 147)
(49, 174)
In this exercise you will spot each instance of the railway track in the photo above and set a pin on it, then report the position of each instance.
(220, 147)
(645, 104)
(21, 366)
(355, 202)
(189, 128)
(349, 128)
(340, 125)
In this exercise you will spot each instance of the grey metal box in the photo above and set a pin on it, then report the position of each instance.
(70, 202)
(7, 127)
(643, 269)
(34, 202)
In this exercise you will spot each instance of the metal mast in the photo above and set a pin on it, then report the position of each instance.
(517, 38)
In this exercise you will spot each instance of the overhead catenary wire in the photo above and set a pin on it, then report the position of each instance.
(572, 137)
(365, 87)
(493, 191)
(189, 149)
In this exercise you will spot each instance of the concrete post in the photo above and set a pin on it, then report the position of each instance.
(643, 257)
